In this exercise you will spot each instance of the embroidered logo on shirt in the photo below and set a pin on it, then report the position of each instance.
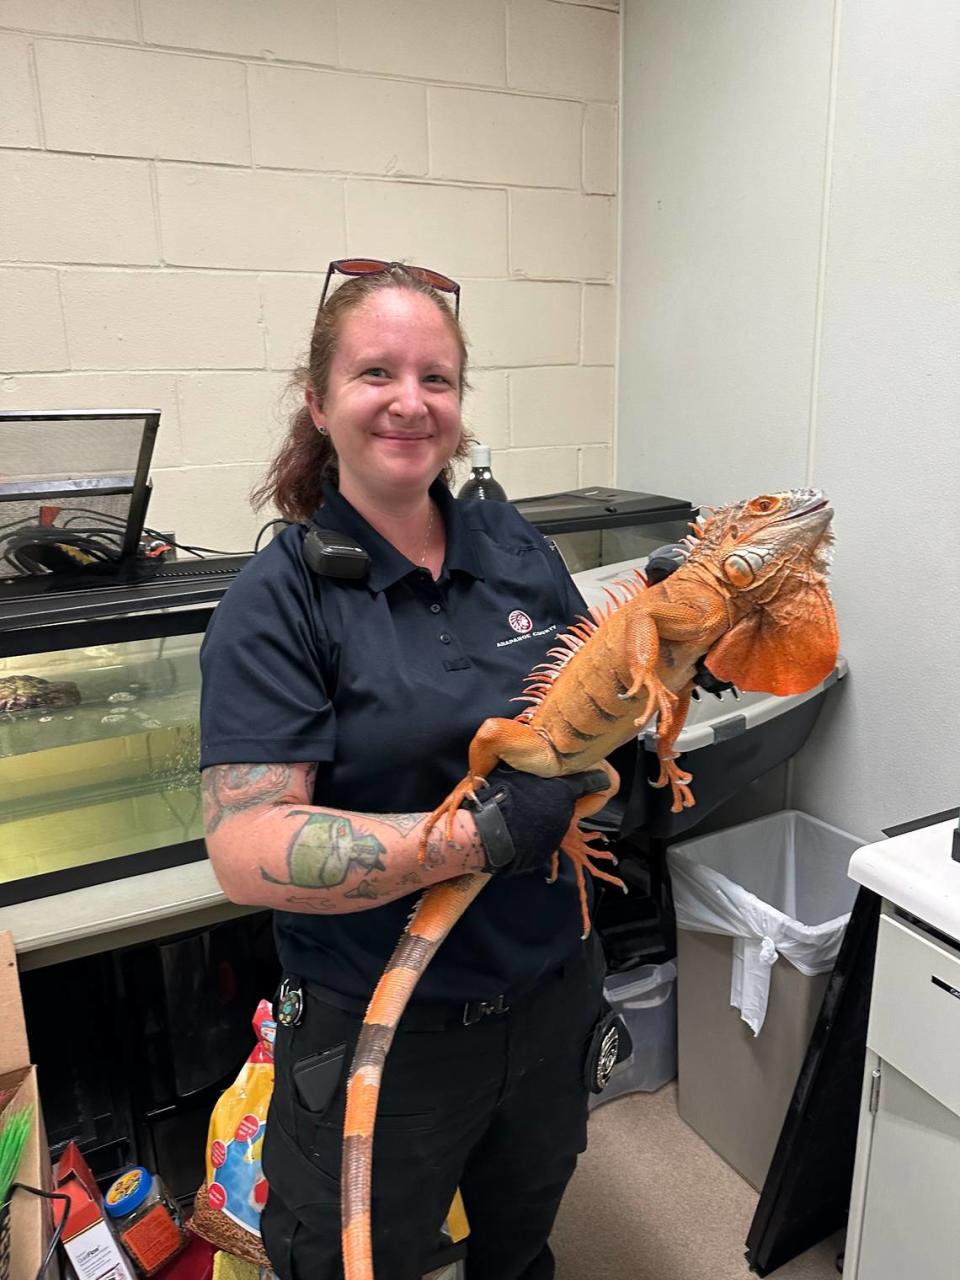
(520, 621)
(527, 633)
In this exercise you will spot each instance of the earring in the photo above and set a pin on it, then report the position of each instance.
(322, 430)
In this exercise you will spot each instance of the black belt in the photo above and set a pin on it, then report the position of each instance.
(429, 1015)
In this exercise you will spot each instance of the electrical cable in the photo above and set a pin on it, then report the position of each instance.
(77, 548)
(58, 1229)
(156, 533)
(54, 533)
(268, 525)
(44, 549)
(181, 546)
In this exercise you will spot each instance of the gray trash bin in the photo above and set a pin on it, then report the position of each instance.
(645, 997)
(761, 909)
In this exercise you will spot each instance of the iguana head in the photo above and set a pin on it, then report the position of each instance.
(771, 554)
(773, 536)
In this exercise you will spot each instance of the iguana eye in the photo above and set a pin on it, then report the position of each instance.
(765, 505)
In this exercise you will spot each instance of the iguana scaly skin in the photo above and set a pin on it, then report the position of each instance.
(751, 598)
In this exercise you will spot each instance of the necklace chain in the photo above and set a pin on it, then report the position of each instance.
(426, 540)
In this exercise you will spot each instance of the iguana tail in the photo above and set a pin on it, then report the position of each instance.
(437, 912)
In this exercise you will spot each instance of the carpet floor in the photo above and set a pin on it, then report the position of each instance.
(651, 1201)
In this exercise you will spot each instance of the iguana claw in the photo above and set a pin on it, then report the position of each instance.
(678, 779)
(576, 845)
(465, 789)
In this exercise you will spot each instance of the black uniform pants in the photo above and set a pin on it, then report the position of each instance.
(498, 1108)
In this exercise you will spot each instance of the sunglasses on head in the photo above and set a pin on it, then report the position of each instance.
(373, 267)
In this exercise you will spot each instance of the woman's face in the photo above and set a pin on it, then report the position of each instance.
(392, 404)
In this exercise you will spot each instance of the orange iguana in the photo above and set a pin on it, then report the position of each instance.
(751, 598)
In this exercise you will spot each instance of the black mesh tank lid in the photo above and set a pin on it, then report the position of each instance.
(77, 468)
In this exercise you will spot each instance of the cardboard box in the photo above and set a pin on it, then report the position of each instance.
(93, 1249)
(31, 1220)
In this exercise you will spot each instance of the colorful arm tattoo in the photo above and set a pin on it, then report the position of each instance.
(229, 789)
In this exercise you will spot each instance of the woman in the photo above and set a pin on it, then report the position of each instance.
(336, 713)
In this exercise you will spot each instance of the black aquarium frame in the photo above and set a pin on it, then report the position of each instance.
(30, 888)
(39, 615)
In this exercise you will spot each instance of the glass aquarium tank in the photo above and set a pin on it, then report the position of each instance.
(599, 526)
(99, 750)
(100, 724)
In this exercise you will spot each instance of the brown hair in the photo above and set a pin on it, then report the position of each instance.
(306, 458)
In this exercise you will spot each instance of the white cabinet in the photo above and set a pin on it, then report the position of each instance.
(905, 1206)
(906, 1222)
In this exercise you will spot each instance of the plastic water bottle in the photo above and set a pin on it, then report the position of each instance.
(481, 483)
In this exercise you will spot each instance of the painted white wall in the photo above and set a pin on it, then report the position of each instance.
(790, 300)
(724, 121)
(175, 177)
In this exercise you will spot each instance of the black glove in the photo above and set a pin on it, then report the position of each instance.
(709, 683)
(521, 819)
(660, 564)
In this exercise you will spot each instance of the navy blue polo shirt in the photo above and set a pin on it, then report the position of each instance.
(383, 683)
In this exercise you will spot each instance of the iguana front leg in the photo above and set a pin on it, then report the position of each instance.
(521, 747)
(489, 746)
(698, 621)
(642, 641)
(668, 730)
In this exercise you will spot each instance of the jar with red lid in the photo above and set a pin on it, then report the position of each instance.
(146, 1219)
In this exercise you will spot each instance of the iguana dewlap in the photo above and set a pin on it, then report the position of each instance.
(752, 599)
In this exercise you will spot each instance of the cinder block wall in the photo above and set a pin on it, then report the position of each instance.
(174, 178)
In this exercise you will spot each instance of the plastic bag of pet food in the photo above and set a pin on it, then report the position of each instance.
(229, 1202)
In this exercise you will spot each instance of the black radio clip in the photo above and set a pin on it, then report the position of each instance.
(332, 555)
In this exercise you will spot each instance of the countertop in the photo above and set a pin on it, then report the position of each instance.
(916, 872)
(104, 916)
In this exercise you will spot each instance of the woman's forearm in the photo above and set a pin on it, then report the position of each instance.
(270, 850)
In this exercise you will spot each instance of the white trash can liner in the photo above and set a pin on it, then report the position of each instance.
(777, 886)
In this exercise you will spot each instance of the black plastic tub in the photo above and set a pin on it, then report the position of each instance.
(725, 750)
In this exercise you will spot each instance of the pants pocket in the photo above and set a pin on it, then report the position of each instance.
(300, 1224)
(300, 1181)
(316, 1078)
(311, 1063)
(411, 1193)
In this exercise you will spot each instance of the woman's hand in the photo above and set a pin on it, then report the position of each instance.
(522, 818)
